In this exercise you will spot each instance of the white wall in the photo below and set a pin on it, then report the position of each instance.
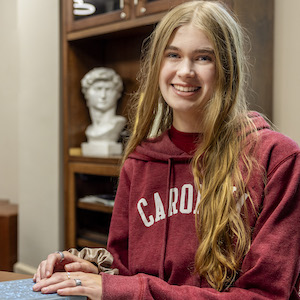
(29, 114)
(29, 124)
(9, 101)
(286, 105)
(39, 131)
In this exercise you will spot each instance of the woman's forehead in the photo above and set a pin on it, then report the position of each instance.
(189, 34)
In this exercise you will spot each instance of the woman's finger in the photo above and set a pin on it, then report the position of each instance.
(53, 287)
(76, 291)
(53, 260)
(83, 266)
(54, 279)
(37, 276)
(57, 261)
(40, 272)
(89, 285)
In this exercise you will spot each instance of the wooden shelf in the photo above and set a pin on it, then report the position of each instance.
(86, 243)
(95, 167)
(115, 28)
(95, 207)
(87, 238)
(95, 160)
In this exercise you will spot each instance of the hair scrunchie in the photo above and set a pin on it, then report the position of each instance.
(99, 256)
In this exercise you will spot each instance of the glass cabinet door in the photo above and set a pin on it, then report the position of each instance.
(87, 8)
(83, 14)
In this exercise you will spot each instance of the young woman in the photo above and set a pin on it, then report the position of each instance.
(208, 199)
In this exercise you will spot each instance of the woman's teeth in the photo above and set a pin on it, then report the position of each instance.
(185, 88)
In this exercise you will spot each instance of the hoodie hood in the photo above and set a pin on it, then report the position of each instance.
(259, 122)
(162, 149)
(159, 149)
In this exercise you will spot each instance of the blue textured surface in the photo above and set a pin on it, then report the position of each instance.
(22, 289)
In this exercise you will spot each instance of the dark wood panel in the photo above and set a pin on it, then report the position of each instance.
(257, 18)
(8, 236)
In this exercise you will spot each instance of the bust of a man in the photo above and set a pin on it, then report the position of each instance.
(102, 87)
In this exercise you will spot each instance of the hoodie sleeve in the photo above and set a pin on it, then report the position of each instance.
(269, 270)
(119, 228)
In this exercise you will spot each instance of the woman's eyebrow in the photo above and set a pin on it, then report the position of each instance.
(170, 47)
(205, 50)
(200, 50)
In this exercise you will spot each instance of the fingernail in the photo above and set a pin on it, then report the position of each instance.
(60, 292)
(48, 274)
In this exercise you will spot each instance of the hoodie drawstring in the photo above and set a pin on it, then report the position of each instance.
(161, 272)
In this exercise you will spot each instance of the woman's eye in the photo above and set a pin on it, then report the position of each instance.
(204, 58)
(172, 55)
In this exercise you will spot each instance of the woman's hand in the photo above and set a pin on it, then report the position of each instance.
(56, 263)
(73, 283)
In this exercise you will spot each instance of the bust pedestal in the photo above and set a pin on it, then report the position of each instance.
(101, 148)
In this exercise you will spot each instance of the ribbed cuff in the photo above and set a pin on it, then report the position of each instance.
(121, 287)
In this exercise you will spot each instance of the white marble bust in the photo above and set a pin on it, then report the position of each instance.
(102, 87)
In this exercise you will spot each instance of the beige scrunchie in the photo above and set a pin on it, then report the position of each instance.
(100, 256)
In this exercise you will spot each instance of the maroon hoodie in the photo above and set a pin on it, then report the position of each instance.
(153, 237)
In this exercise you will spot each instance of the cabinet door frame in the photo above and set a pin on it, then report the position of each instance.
(144, 8)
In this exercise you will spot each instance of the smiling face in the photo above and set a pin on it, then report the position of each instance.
(187, 76)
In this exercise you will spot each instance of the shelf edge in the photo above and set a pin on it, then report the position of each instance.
(114, 27)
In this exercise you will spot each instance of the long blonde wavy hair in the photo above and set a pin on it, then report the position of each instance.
(223, 231)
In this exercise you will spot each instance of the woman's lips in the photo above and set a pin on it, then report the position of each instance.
(182, 88)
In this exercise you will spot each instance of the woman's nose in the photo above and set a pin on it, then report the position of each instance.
(186, 69)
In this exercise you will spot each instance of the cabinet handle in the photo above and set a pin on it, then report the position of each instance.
(143, 10)
(122, 14)
(136, 2)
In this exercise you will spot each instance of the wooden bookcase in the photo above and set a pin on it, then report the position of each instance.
(113, 39)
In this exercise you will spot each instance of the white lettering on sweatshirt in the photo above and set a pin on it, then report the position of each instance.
(185, 206)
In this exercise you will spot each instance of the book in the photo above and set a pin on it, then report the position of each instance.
(22, 289)
(105, 199)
